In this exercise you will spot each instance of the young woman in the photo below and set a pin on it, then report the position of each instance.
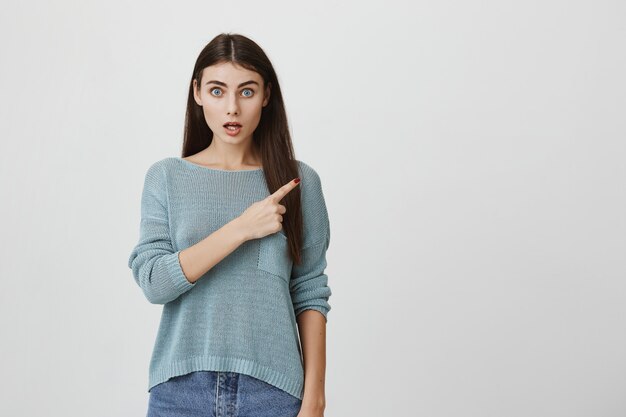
(233, 241)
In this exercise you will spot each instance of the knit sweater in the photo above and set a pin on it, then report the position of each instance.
(240, 316)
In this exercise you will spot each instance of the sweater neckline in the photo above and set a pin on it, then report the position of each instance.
(216, 169)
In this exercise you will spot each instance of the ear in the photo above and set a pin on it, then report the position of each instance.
(268, 89)
(196, 97)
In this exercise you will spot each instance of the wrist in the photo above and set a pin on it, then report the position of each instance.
(239, 231)
(315, 402)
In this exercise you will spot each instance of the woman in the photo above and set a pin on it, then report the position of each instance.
(233, 246)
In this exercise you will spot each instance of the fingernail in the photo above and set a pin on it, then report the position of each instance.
(297, 180)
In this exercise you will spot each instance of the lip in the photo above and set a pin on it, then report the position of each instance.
(231, 123)
(232, 132)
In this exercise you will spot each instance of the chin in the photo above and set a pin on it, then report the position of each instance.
(231, 139)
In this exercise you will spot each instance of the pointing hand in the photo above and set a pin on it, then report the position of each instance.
(265, 217)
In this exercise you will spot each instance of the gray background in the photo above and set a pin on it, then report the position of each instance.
(472, 157)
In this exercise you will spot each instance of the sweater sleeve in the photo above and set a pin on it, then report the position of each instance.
(155, 265)
(309, 282)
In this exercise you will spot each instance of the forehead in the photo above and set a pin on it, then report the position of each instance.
(229, 73)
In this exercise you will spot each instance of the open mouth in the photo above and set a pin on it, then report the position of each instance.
(232, 126)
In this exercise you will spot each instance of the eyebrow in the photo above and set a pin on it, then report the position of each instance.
(224, 84)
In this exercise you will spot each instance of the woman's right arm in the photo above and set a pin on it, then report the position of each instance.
(163, 273)
(258, 220)
(154, 261)
(196, 260)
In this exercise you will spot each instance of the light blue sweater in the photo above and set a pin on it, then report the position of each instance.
(241, 315)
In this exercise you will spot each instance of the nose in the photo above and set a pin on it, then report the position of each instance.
(233, 106)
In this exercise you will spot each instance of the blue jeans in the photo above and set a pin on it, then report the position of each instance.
(220, 394)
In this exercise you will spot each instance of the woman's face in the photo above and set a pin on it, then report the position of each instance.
(231, 94)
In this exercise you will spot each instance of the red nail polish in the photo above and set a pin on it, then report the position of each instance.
(297, 180)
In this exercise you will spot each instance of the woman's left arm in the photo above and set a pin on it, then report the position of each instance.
(312, 329)
(310, 293)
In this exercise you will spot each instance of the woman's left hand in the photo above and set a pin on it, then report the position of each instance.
(308, 412)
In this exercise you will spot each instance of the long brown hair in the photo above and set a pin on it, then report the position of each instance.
(271, 137)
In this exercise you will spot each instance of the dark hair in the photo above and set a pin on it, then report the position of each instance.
(271, 137)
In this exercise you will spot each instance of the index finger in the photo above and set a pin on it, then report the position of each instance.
(282, 191)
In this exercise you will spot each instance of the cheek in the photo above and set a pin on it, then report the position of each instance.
(254, 106)
(211, 109)
(212, 118)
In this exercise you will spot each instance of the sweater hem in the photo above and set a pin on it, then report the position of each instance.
(226, 364)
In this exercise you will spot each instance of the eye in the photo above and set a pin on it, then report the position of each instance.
(251, 91)
(215, 88)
